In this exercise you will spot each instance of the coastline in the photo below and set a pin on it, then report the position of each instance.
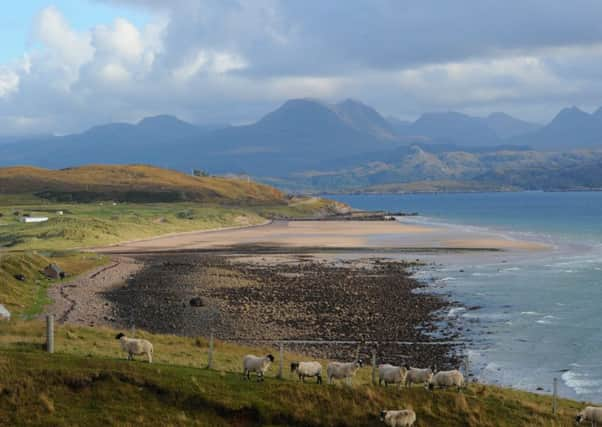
(151, 283)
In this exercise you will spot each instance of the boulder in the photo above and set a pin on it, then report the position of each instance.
(196, 302)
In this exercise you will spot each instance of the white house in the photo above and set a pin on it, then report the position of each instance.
(28, 219)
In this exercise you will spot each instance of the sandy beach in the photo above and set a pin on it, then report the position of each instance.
(329, 234)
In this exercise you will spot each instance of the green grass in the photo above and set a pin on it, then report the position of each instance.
(98, 224)
(29, 297)
(87, 382)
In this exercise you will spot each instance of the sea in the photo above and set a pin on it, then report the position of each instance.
(528, 316)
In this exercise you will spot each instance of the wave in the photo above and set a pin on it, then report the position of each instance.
(582, 383)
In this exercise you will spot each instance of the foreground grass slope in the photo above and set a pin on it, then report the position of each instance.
(87, 382)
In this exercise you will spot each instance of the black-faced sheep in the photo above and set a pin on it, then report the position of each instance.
(444, 379)
(390, 374)
(417, 376)
(308, 369)
(590, 414)
(259, 365)
(135, 346)
(340, 370)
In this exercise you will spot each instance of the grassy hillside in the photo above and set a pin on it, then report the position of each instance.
(87, 382)
(133, 183)
(29, 297)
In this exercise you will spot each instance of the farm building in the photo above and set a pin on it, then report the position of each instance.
(53, 271)
(31, 219)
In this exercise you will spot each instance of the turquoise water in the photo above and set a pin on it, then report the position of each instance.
(540, 312)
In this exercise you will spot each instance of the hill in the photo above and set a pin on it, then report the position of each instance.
(134, 183)
(88, 382)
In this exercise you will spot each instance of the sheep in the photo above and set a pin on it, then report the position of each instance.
(259, 365)
(591, 414)
(339, 370)
(401, 418)
(308, 369)
(390, 374)
(135, 346)
(444, 379)
(417, 375)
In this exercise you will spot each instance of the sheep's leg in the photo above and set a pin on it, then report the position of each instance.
(150, 358)
(319, 379)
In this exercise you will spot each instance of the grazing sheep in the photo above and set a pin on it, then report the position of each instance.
(259, 365)
(401, 418)
(390, 374)
(590, 414)
(445, 379)
(417, 375)
(339, 370)
(308, 369)
(135, 346)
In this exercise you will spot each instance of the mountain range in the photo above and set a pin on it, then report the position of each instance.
(307, 143)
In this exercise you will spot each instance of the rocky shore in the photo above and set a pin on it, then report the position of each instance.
(326, 307)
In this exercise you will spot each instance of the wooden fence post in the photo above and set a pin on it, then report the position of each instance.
(374, 369)
(210, 356)
(281, 364)
(555, 398)
(50, 333)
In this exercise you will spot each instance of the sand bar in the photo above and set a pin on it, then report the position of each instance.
(330, 234)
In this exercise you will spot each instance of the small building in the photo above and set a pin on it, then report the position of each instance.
(33, 219)
(53, 271)
(4, 313)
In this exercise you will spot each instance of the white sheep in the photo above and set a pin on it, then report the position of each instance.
(391, 374)
(445, 379)
(590, 414)
(401, 418)
(259, 365)
(340, 370)
(135, 346)
(308, 369)
(417, 375)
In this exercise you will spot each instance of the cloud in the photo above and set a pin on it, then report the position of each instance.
(234, 60)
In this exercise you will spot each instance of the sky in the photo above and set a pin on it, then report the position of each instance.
(66, 65)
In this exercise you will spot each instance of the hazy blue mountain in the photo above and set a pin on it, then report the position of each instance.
(454, 128)
(400, 127)
(310, 143)
(571, 129)
(364, 118)
(506, 126)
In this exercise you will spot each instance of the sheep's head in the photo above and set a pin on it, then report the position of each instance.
(119, 336)
(294, 366)
(359, 363)
(407, 366)
(383, 414)
(270, 357)
(580, 416)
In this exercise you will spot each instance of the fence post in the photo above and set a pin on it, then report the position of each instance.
(374, 367)
(50, 333)
(466, 367)
(357, 353)
(281, 364)
(555, 398)
(210, 357)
